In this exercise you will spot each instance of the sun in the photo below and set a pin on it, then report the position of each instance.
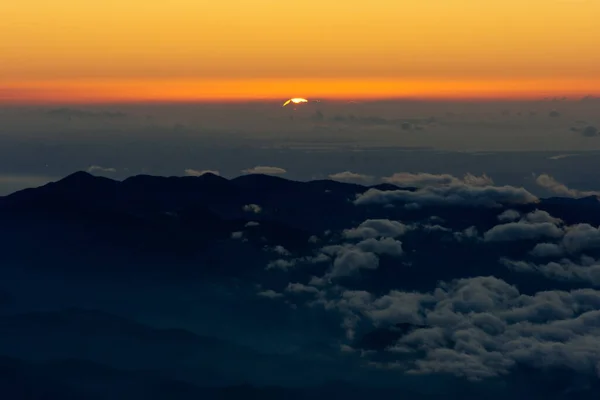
(295, 100)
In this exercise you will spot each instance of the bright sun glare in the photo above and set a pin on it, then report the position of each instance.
(295, 100)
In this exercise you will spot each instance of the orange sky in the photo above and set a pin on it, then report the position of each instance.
(140, 50)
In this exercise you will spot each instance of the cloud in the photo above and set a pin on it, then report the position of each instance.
(387, 246)
(270, 294)
(252, 208)
(423, 179)
(420, 179)
(481, 327)
(457, 195)
(552, 185)
(573, 239)
(237, 235)
(540, 216)
(565, 270)
(285, 265)
(445, 189)
(509, 215)
(99, 169)
(351, 177)
(261, 169)
(535, 225)
(347, 259)
(561, 156)
(374, 228)
(318, 281)
(195, 172)
(433, 228)
(468, 233)
(474, 180)
(282, 251)
(581, 237)
(350, 261)
(281, 264)
(299, 288)
(549, 250)
(554, 114)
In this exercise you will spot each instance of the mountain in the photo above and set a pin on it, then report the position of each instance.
(264, 287)
(158, 219)
(184, 221)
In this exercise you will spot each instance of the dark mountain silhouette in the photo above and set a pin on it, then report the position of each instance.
(183, 221)
(160, 218)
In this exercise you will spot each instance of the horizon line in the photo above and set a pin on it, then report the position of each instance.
(246, 91)
(322, 99)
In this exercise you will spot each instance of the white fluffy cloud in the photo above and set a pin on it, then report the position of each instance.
(195, 172)
(266, 170)
(281, 250)
(299, 288)
(535, 225)
(373, 228)
(564, 270)
(351, 177)
(252, 208)
(522, 231)
(423, 179)
(581, 237)
(547, 250)
(376, 238)
(509, 216)
(539, 216)
(387, 246)
(457, 195)
(552, 185)
(481, 327)
(102, 170)
(469, 233)
(349, 261)
(270, 294)
(286, 264)
(446, 189)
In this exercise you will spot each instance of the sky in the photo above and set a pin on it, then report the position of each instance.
(66, 51)
(513, 142)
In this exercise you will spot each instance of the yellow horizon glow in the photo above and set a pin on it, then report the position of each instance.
(131, 91)
(185, 50)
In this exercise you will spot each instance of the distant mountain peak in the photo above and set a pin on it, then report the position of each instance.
(80, 177)
(263, 181)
